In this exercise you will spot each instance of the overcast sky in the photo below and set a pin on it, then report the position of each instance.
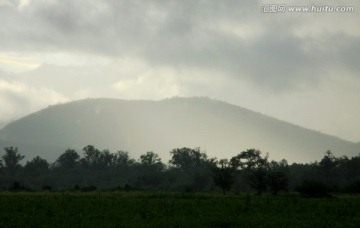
(300, 67)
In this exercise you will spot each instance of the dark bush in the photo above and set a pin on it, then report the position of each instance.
(353, 187)
(277, 181)
(309, 188)
(188, 189)
(46, 188)
(90, 188)
(76, 187)
(17, 186)
(128, 187)
(125, 188)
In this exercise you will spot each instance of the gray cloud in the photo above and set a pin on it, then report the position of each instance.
(18, 99)
(224, 49)
(180, 34)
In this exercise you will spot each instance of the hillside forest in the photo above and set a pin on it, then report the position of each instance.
(188, 170)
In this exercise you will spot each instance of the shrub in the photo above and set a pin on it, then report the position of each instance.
(17, 186)
(46, 188)
(90, 188)
(309, 188)
(353, 187)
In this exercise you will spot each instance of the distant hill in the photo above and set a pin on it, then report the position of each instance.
(221, 129)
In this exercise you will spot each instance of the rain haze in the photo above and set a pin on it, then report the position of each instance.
(301, 67)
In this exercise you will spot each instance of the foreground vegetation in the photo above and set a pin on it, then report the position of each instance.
(104, 189)
(156, 209)
(188, 170)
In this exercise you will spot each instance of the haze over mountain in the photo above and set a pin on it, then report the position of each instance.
(221, 129)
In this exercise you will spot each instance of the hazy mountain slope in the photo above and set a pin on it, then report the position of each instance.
(49, 152)
(223, 130)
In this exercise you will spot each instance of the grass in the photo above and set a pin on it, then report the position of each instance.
(151, 209)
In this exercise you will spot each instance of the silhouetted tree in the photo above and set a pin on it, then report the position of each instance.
(223, 175)
(11, 159)
(150, 159)
(328, 170)
(69, 159)
(191, 168)
(91, 156)
(278, 181)
(253, 167)
(37, 166)
(122, 159)
(94, 158)
(186, 158)
(106, 159)
(278, 176)
(249, 160)
(150, 170)
(257, 179)
(351, 168)
(329, 161)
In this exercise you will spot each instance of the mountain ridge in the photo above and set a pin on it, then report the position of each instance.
(221, 128)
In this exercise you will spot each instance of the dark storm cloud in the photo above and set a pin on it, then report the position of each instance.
(178, 34)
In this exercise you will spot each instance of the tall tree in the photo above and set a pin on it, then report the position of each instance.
(37, 165)
(187, 158)
(278, 176)
(150, 170)
(327, 170)
(122, 159)
(223, 175)
(253, 167)
(69, 159)
(91, 156)
(12, 158)
(151, 159)
(329, 161)
(191, 168)
(106, 159)
(250, 159)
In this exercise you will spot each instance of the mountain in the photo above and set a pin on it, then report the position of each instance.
(221, 129)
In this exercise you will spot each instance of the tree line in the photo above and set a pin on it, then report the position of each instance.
(189, 169)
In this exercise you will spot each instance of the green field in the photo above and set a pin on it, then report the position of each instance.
(142, 209)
